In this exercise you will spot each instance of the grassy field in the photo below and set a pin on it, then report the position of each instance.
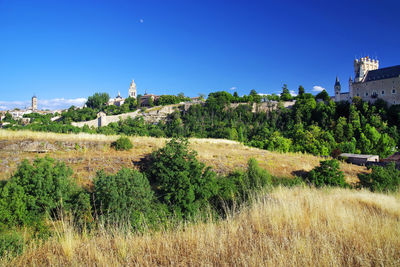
(90, 153)
(287, 227)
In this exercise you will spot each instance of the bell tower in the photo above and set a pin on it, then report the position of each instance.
(34, 103)
(132, 90)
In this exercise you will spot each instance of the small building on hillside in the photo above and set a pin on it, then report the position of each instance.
(359, 159)
(145, 100)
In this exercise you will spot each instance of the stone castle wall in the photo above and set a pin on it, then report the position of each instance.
(386, 89)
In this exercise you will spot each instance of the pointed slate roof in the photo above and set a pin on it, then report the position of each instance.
(337, 81)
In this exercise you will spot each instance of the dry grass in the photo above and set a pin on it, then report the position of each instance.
(222, 155)
(288, 227)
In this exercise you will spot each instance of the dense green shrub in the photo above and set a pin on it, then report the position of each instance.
(382, 179)
(327, 173)
(181, 181)
(125, 196)
(257, 176)
(11, 244)
(44, 188)
(123, 143)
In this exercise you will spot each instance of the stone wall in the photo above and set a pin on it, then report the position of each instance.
(151, 115)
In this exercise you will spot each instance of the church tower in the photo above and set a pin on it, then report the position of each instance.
(34, 103)
(338, 87)
(132, 90)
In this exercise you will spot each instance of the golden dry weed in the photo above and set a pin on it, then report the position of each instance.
(287, 227)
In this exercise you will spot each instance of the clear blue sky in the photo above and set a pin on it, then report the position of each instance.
(72, 49)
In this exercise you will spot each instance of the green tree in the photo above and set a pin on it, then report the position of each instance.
(123, 197)
(98, 100)
(301, 92)
(323, 96)
(381, 179)
(327, 173)
(182, 182)
(285, 95)
(39, 190)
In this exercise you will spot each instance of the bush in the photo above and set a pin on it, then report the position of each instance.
(11, 244)
(257, 177)
(35, 191)
(123, 143)
(238, 185)
(125, 196)
(381, 179)
(327, 173)
(181, 181)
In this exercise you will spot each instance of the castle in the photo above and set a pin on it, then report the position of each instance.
(371, 82)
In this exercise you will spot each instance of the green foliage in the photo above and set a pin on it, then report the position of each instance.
(125, 196)
(36, 191)
(239, 184)
(381, 179)
(285, 95)
(97, 101)
(328, 173)
(323, 96)
(11, 244)
(257, 177)
(122, 143)
(181, 181)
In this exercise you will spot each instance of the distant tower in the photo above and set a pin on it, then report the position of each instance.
(362, 66)
(34, 103)
(132, 90)
(338, 87)
(351, 94)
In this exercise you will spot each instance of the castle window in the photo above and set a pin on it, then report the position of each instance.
(393, 91)
(358, 94)
(383, 92)
(366, 94)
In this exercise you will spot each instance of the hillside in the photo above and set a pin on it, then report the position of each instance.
(86, 153)
(288, 227)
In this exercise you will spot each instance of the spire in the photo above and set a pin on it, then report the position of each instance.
(337, 81)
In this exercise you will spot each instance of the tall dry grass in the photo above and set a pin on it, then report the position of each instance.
(288, 227)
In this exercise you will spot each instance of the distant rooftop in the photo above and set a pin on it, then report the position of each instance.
(360, 156)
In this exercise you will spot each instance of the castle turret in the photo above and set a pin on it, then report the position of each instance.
(351, 94)
(132, 90)
(338, 87)
(362, 66)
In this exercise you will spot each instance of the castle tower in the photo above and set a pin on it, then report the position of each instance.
(132, 90)
(362, 66)
(338, 87)
(351, 94)
(34, 103)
